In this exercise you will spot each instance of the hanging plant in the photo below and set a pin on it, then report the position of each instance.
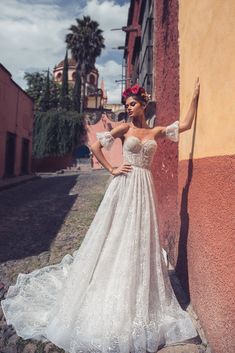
(57, 133)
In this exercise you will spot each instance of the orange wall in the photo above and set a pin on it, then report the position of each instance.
(206, 246)
(16, 116)
(206, 166)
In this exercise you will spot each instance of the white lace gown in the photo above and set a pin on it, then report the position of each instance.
(113, 295)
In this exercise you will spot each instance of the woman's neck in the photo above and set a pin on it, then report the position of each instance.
(139, 123)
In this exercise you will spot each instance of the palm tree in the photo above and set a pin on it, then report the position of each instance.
(86, 43)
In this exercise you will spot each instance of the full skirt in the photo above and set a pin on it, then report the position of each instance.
(113, 294)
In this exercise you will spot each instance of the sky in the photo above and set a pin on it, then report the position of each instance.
(32, 36)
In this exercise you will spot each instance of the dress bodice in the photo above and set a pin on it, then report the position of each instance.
(138, 153)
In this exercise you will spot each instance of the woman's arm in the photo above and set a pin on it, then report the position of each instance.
(161, 131)
(186, 124)
(96, 149)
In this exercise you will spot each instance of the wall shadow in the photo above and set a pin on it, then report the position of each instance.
(31, 215)
(181, 267)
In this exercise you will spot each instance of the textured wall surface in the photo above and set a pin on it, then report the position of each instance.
(207, 50)
(16, 116)
(114, 155)
(206, 245)
(166, 82)
(206, 167)
(133, 16)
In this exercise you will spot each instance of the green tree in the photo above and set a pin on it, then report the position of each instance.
(56, 133)
(44, 101)
(64, 95)
(76, 95)
(35, 83)
(54, 95)
(86, 43)
(42, 89)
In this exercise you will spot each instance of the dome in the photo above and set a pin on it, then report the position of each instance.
(72, 63)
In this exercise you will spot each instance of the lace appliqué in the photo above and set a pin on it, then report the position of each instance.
(172, 131)
(139, 154)
(106, 139)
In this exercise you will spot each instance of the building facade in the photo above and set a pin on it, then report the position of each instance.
(16, 124)
(152, 61)
(194, 178)
(114, 155)
(206, 166)
(95, 97)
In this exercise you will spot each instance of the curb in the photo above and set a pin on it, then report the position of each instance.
(16, 182)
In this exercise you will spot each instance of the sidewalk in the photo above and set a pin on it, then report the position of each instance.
(11, 182)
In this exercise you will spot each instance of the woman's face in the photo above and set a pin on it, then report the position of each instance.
(134, 108)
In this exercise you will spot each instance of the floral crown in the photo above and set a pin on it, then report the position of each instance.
(135, 90)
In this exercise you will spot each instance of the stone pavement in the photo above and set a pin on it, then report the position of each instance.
(40, 222)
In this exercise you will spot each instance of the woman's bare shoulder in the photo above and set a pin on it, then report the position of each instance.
(159, 131)
(120, 130)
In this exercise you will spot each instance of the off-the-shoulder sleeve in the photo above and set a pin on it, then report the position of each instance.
(106, 139)
(172, 131)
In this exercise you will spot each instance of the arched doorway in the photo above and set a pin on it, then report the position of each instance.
(81, 152)
(82, 157)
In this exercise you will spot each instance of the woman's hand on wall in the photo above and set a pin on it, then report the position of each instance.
(196, 89)
(186, 124)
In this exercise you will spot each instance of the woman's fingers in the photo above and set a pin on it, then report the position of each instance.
(126, 168)
(196, 88)
(123, 169)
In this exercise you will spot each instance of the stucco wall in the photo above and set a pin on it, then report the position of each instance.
(206, 167)
(16, 116)
(114, 155)
(207, 50)
(132, 21)
(166, 83)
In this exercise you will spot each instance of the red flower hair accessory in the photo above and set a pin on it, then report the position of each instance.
(136, 90)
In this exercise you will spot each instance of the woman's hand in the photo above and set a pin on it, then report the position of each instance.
(123, 169)
(196, 89)
(186, 124)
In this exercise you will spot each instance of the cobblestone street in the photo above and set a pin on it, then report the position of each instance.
(40, 222)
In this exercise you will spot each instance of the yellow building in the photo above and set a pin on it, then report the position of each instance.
(207, 164)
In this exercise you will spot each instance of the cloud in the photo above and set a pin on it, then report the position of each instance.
(109, 15)
(32, 34)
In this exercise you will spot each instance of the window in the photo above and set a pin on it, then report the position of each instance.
(92, 79)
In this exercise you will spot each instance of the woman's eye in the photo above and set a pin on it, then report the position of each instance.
(133, 104)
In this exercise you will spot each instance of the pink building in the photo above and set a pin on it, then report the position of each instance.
(115, 153)
(99, 122)
(16, 123)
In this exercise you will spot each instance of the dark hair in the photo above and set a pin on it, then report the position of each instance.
(137, 92)
(140, 99)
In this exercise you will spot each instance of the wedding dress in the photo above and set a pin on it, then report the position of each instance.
(113, 295)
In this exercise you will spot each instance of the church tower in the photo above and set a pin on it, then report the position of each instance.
(93, 94)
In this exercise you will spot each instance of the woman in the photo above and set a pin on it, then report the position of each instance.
(113, 294)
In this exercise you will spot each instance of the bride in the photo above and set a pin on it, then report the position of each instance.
(113, 294)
